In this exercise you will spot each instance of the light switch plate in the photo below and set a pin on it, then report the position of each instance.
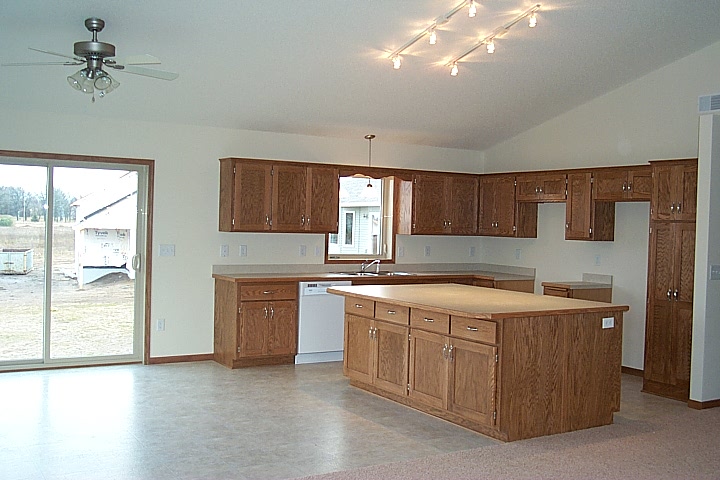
(302, 250)
(224, 250)
(401, 251)
(243, 250)
(166, 250)
(427, 250)
(608, 322)
(714, 272)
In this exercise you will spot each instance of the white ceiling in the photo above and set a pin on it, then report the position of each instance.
(320, 67)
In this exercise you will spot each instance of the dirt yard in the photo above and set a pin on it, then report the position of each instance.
(94, 321)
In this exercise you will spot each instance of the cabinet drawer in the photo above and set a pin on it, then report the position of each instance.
(428, 320)
(473, 329)
(392, 313)
(556, 292)
(359, 306)
(274, 291)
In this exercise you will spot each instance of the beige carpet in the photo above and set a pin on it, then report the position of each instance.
(651, 438)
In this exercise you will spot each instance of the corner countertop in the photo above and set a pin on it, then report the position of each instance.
(475, 302)
(576, 285)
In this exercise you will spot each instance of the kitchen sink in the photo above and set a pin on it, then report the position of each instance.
(373, 274)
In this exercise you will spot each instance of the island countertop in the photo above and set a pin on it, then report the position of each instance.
(475, 302)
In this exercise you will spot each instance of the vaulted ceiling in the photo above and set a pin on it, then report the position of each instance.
(321, 67)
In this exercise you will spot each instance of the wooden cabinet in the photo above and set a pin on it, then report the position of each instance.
(540, 187)
(585, 218)
(261, 195)
(668, 327)
(622, 184)
(579, 290)
(444, 204)
(255, 324)
(674, 195)
(499, 214)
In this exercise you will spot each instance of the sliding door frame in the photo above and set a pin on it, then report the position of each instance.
(147, 254)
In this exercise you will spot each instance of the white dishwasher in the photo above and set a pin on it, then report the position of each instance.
(320, 323)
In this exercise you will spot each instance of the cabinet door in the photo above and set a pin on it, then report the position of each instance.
(358, 343)
(428, 368)
(552, 187)
(663, 192)
(639, 186)
(505, 206)
(661, 261)
(390, 366)
(253, 331)
(463, 205)
(472, 381)
(685, 192)
(323, 187)
(486, 205)
(252, 197)
(282, 327)
(289, 197)
(659, 342)
(609, 185)
(527, 188)
(429, 199)
(578, 207)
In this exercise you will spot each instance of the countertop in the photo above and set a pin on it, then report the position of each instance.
(576, 285)
(475, 302)
(320, 276)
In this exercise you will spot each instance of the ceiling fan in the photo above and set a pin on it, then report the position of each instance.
(95, 55)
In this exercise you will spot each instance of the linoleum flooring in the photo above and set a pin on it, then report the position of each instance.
(203, 421)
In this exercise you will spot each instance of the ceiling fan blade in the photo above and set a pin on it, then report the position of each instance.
(151, 72)
(40, 64)
(143, 59)
(77, 59)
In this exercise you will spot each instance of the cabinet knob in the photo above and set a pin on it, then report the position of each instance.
(624, 186)
(629, 186)
(267, 219)
(675, 295)
(302, 221)
(567, 226)
(669, 294)
(537, 189)
(679, 206)
(672, 207)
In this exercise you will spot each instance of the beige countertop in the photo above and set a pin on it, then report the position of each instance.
(320, 276)
(475, 302)
(576, 285)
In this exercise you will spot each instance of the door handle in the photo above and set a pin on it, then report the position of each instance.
(135, 262)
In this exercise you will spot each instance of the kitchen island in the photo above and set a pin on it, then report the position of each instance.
(506, 364)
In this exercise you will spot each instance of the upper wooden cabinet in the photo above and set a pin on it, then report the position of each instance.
(622, 184)
(585, 218)
(261, 195)
(540, 187)
(499, 214)
(444, 204)
(674, 194)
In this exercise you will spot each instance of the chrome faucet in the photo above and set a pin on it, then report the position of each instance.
(367, 264)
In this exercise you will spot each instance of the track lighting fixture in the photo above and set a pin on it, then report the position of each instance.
(532, 21)
(397, 62)
(454, 70)
(490, 46)
(433, 37)
(472, 11)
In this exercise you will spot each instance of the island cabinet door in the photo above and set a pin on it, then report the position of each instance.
(428, 368)
(358, 356)
(282, 318)
(471, 386)
(391, 354)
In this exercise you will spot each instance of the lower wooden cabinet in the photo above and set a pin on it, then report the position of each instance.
(255, 324)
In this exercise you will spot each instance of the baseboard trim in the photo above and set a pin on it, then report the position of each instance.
(632, 371)
(696, 405)
(180, 358)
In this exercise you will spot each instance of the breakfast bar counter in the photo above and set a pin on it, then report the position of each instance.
(507, 364)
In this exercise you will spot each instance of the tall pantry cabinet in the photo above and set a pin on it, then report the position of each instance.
(671, 267)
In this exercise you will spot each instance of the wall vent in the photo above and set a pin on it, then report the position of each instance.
(709, 104)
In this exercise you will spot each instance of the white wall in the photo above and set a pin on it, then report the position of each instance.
(654, 117)
(705, 373)
(186, 200)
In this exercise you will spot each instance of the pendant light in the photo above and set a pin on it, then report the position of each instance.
(369, 138)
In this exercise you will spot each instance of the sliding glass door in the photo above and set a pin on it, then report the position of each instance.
(79, 298)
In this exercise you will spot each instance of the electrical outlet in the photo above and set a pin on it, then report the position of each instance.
(243, 250)
(714, 272)
(608, 322)
(224, 250)
(160, 325)
(166, 250)
(401, 251)
(597, 259)
(302, 250)
(318, 251)
(427, 250)
(518, 253)
(472, 251)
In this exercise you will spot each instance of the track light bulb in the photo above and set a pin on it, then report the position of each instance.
(433, 37)
(454, 70)
(532, 22)
(397, 62)
(473, 9)
(490, 46)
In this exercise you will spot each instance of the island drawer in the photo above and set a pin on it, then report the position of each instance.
(473, 329)
(429, 320)
(359, 306)
(392, 313)
(270, 291)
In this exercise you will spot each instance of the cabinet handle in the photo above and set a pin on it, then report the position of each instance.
(272, 312)
(429, 320)
(307, 221)
(669, 295)
(537, 189)
(391, 312)
(472, 329)
(265, 312)
(449, 223)
(624, 186)
(672, 207)
(629, 186)
(357, 305)
(268, 292)
(540, 192)
(267, 219)
(302, 221)
(444, 352)
(679, 206)
(370, 333)
(567, 226)
(450, 353)
(675, 295)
